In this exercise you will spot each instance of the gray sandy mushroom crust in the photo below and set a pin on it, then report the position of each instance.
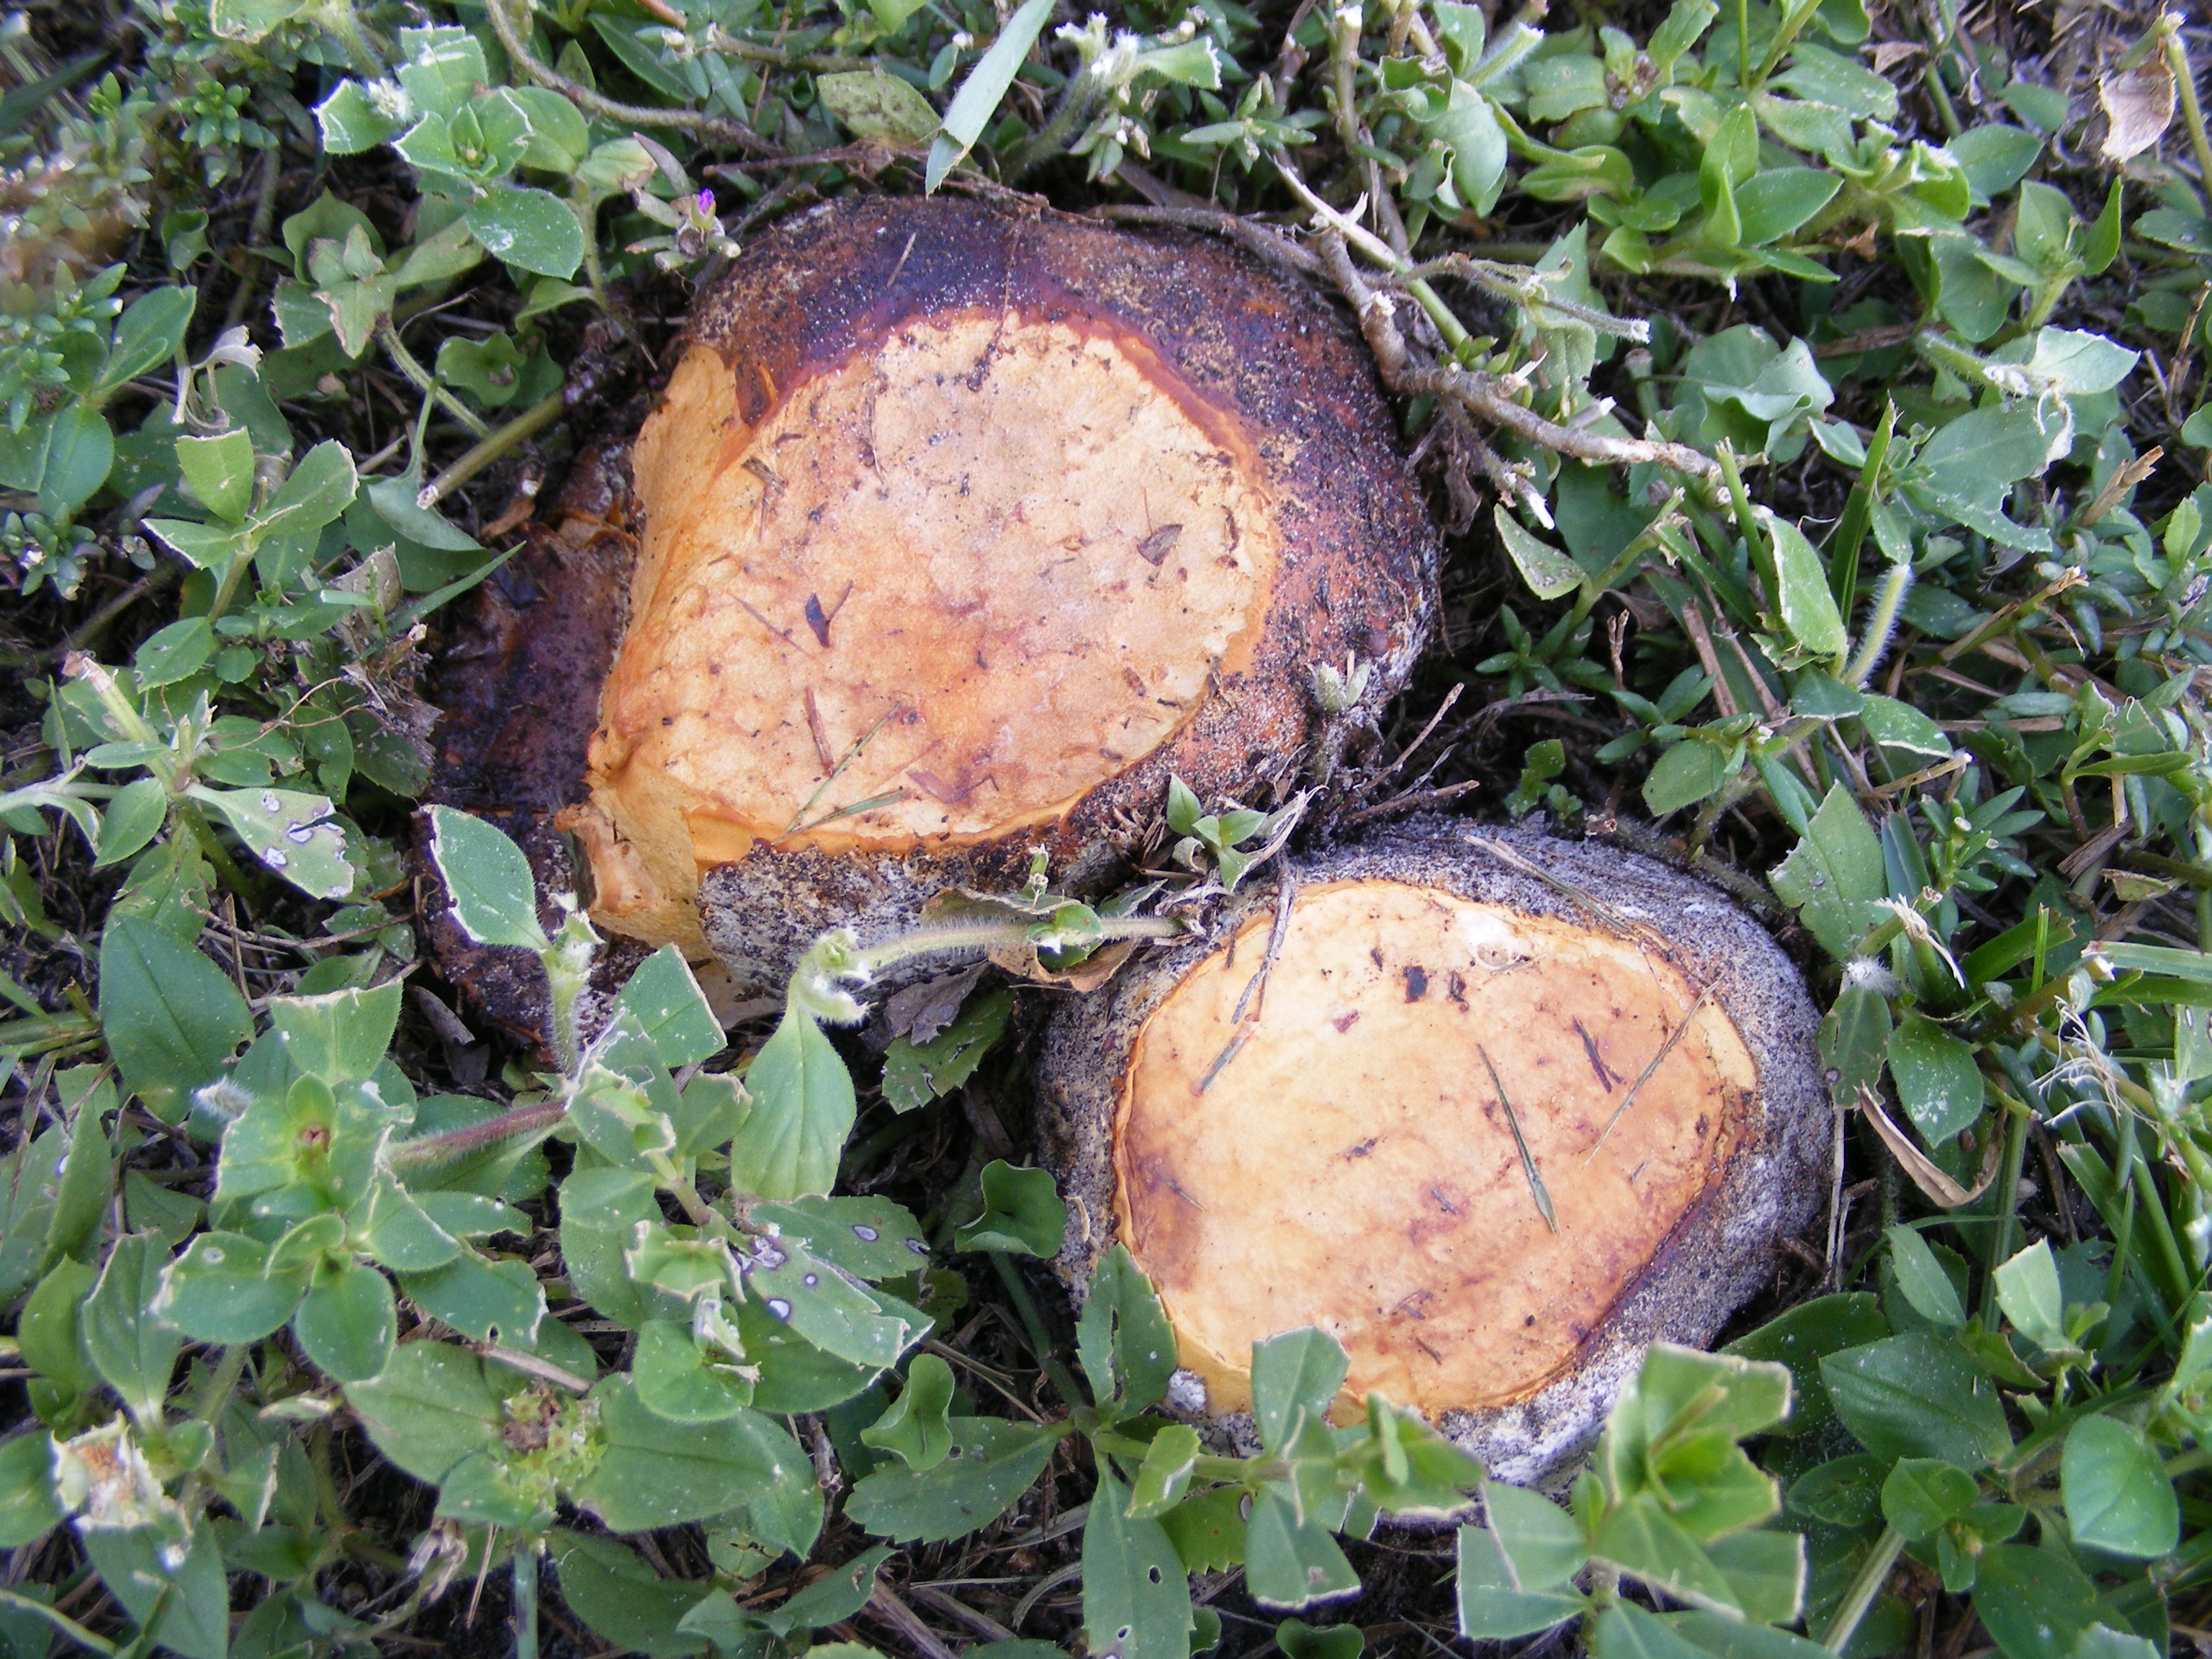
(1503, 1110)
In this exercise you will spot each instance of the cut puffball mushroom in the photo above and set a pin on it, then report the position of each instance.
(1494, 1110)
(958, 529)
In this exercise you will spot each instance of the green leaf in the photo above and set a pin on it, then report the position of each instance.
(997, 1461)
(1295, 1375)
(1208, 1529)
(803, 1108)
(1640, 1537)
(1624, 1631)
(52, 1328)
(1937, 1080)
(220, 471)
(350, 121)
(149, 335)
(202, 546)
(559, 136)
(2035, 1603)
(680, 1380)
(289, 831)
(1802, 1337)
(876, 107)
(1922, 1494)
(2080, 363)
(1550, 573)
(1834, 875)
(1494, 1604)
(1023, 1213)
(80, 451)
(1809, 609)
(1827, 77)
(1164, 1475)
(340, 1037)
(173, 1587)
(870, 1239)
(1918, 1396)
(2029, 1292)
(487, 879)
(443, 67)
(1291, 1565)
(1299, 1640)
(625, 1602)
(1136, 1596)
(1773, 203)
(133, 817)
(1996, 157)
(1766, 1573)
(916, 1073)
(134, 1351)
(1126, 1345)
(27, 1507)
(1685, 775)
(1541, 1546)
(915, 1430)
(838, 1315)
(220, 1290)
(531, 230)
(315, 492)
(1900, 725)
(836, 1596)
(175, 653)
(1922, 1278)
(615, 1115)
(672, 1010)
(655, 1474)
(429, 1410)
(980, 94)
(348, 1322)
(171, 1017)
(2117, 1495)
(485, 1301)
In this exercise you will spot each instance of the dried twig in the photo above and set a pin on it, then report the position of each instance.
(1254, 236)
(1485, 394)
(1675, 1036)
(1527, 1159)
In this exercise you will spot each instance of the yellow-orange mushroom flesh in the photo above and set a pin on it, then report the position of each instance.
(1353, 1164)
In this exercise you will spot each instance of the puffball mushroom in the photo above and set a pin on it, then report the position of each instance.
(1493, 1109)
(956, 530)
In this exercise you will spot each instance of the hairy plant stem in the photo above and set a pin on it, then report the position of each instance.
(733, 133)
(427, 1150)
(1881, 624)
(2004, 1199)
(1205, 1467)
(426, 382)
(1863, 1589)
(525, 1570)
(494, 444)
(1076, 104)
(1033, 1323)
(985, 935)
(223, 1383)
(2192, 112)
(340, 17)
(61, 1621)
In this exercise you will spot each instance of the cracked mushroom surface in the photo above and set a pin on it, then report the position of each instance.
(1499, 1110)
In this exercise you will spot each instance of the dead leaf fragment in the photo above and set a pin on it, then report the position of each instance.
(2139, 104)
(1934, 1184)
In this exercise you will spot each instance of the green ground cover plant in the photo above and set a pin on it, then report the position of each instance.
(1811, 392)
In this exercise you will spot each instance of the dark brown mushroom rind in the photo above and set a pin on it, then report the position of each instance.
(1770, 1174)
(1250, 357)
